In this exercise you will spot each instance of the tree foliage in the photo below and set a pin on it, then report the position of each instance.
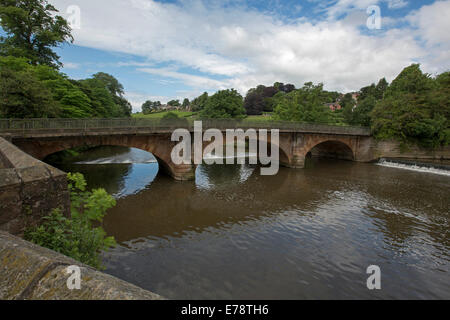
(29, 91)
(22, 95)
(31, 85)
(359, 112)
(199, 103)
(415, 109)
(259, 99)
(174, 103)
(32, 30)
(224, 104)
(305, 104)
(77, 237)
(150, 106)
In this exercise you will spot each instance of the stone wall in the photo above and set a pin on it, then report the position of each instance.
(29, 189)
(393, 149)
(30, 272)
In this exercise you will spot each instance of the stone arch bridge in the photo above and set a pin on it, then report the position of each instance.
(42, 137)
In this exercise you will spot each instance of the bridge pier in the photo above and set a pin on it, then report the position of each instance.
(178, 172)
(296, 162)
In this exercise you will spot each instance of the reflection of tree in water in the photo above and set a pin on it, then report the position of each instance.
(111, 177)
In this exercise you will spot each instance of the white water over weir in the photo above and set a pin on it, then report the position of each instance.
(418, 167)
(133, 156)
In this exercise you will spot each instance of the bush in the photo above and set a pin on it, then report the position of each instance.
(77, 237)
(170, 116)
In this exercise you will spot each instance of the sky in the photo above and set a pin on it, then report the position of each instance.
(164, 50)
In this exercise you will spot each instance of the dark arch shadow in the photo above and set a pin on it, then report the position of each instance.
(332, 149)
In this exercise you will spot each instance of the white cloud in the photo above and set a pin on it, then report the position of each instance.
(71, 65)
(397, 4)
(244, 48)
(433, 23)
(192, 80)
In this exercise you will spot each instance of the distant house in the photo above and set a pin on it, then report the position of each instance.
(166, 107)
(334, 106)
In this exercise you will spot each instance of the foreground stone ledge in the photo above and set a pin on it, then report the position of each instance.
(29, 189)
(30, 272)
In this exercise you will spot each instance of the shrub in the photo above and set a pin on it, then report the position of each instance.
(77, 237)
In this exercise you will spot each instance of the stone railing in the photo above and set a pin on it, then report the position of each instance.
(17, 126)
(30, 272)
(29, 189)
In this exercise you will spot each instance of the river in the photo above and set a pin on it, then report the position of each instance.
(302, 234)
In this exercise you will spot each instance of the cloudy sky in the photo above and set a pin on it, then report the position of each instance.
(161, 50)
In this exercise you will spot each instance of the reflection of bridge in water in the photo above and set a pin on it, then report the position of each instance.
(42, 137)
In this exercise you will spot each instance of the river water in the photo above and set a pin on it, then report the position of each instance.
(302, 234)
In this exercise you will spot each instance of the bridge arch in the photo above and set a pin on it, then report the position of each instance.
(332, 148)
(284, 153)
(158, 145)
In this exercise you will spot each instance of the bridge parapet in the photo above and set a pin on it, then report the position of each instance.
(19, 127)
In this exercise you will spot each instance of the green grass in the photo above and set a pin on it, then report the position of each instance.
(259, 118)
(188, 114)
(159, 115)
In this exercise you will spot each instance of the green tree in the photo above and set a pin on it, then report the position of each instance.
(260, 99)
(199, 103)
(254, 103)
(361, 114)
(174, 103)
(224, 104)
(173, 119)
(78, 237)
(305, 104)
(186, 103)
(32, 30)
(116, 89)
(150, 106)
(72, 101)
(147, 107)
(381, 88)
(102, 101)
(112, 84)
(412, 110)
(22, 95)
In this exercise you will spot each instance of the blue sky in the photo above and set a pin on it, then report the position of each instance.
(161, 50)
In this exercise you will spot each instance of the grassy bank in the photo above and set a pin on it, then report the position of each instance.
(159, 115)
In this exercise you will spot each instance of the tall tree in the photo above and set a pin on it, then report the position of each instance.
(150, 106)
(174, 103)
(22, 95)
(412, 111)
(117, 91)
(186, 103)
(32, 31)
(380, 89)
(111, 83)
(224, 104)
(199, 103)
(254, 103)
(305, 104)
